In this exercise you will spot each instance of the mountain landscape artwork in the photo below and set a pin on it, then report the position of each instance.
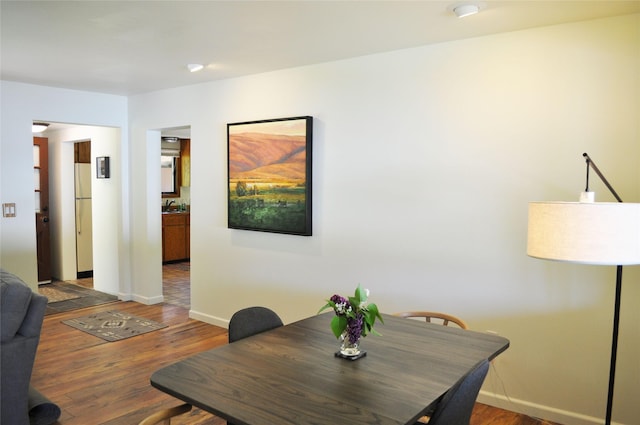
(269, 169)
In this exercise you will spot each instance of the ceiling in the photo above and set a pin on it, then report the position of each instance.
(132, 47)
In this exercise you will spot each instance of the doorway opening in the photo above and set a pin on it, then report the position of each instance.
(175, 209)
(83, 212)
(63, 140)
(64, 202)
(41, 191)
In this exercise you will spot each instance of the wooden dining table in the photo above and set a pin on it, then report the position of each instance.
(290, 375)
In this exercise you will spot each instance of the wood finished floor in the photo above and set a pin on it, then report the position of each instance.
(99, 382)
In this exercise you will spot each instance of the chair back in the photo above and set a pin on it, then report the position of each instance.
(252, 320)
(443, 318)
(164, 416)
(456, 406)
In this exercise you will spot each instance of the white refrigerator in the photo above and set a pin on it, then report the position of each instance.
(84, 238)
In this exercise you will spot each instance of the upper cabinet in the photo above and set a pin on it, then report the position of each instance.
(185, 156)
(82, 152)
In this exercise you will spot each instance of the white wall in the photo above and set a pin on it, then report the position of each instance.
(106, 204)
(424, 162)
(24, 103)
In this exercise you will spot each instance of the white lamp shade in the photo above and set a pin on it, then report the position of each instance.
(589, 233)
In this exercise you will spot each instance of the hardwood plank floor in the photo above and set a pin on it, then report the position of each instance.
(98, 382)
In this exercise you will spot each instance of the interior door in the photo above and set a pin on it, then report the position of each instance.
(41, 181)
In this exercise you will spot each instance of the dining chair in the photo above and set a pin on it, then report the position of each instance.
(457, 404)
(164, 416)
(442, 318)
(252, 320)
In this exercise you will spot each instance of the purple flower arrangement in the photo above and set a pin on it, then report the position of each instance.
(353, 315)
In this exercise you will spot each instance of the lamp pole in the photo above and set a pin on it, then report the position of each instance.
(616, 310)
(614, 345)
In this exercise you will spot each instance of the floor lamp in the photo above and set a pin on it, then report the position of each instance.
(588, 232)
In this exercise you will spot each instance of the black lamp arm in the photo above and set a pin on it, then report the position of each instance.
(591, 164)
(616, 314)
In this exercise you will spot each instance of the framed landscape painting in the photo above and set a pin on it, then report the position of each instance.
(269, 172)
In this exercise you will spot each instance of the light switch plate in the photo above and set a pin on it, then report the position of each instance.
(9, 210)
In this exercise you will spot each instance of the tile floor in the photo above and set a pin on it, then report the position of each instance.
(176, 280)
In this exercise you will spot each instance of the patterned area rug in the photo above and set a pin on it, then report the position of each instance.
(56, 295)
(113, 325)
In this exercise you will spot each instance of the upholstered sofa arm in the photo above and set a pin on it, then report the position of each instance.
(32, 324)
(21, 316)
(15, 301)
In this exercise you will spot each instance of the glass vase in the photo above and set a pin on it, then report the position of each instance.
(348, 348)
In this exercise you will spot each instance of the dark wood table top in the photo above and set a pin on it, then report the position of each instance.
(290, 375)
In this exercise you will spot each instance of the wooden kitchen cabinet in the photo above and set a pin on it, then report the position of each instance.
(185, 159)
(188, 232)
(175, 236)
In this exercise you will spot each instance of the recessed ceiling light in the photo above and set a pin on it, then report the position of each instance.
(466, 10)
(195, 67)
(39, 127)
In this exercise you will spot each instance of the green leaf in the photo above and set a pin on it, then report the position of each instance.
(326, 306)
(370, 318)
(361, 294)
(355, 303)
(338, 325)
(375, 332)
(373, 309)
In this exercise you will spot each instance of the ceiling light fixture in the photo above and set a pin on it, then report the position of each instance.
(195, 67)
(170, 139)
(466, 10)
(39, 127)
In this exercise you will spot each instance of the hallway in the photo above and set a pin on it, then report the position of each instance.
(80, 294)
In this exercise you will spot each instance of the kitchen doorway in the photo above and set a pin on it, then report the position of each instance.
(176, 284)
(175, 208)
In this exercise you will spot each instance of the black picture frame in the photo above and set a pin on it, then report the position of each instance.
(102, 167)
(269, 175)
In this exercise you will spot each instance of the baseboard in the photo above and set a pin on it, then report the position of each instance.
(146, 300)
(538, 411)
(206, 318)
(212, 320)
(124, 297)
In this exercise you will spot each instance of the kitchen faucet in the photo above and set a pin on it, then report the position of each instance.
(167, 205)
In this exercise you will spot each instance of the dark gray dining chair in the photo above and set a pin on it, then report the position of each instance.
(456, 405)
(252, 320)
